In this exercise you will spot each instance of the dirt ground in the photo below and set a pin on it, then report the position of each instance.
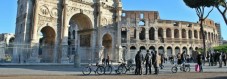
(160, 76)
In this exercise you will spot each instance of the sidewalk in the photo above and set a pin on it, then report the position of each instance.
(68, 69)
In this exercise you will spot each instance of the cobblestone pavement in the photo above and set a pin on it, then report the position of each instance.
(69, 72)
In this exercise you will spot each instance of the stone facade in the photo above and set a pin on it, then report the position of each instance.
(86, 31)
(145, 30)
(59, 30)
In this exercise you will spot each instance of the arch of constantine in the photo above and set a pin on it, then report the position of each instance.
(86, 31)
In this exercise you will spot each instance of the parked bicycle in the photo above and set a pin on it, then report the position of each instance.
(183, 67)
(99, 69)
(123, 68)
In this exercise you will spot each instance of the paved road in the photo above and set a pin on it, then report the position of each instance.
(70, 70)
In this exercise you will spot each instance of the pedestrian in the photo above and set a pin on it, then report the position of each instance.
(178, 58)
(199, 61)
(220, 59)
(162, 60)
(108, 60)
(224, 58)
(156, 61)
(139, 60)
(137, 63)
(148, 59)
(183, 57)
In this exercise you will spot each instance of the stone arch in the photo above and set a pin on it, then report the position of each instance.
(176, 33)
(168, 33)
(183, 33)
(142, 33)
(87, 18)
(47, 44)
(177, 50)
(152, 33)
(107, 43)
(152, 48)
(161, 50)
(160, 33)
(82, 25)
(195, 34)
(169, 51)
(209, 36)
(189, 34)
(200, 35)
(185, 49)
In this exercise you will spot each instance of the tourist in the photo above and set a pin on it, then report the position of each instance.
(148, 58)
(156, 61)
(108, 60)
(199, 61)
(178, 58)
(224, 58)
(139, 60)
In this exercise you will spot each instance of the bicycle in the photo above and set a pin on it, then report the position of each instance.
(183, 67)
(97, 69)
(123, 69)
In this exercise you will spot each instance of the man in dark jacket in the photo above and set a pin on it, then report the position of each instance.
(139, 59)
(148, 58)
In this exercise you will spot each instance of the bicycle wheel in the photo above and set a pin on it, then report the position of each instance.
(174, 69)
(122, 69)
(132, 69)
(86, 70)
(100, 70)
(187, 69)
(108, 69)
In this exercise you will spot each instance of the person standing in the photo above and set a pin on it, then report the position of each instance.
(178, 58)
(199, 61)
(139, 60)
(224, 58)
(156, 61)
(148, 58)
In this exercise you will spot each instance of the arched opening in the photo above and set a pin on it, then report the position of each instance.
(160, 35)
(169, 51)
(190, 34)
(142, 33)
(195, 34)
(123, 35)
(143, 50)
(168, 33)
(177, 50)
(152, 33)
(152, 48)
(185, 50)
(176, 33)
(133, 52)
(196, 48)
(183, 33)
(205, 35)
(79, 37)
(161, 50)
(200, 35)
(107, 43)
(141, 23)
(212, 37)
(46, 44)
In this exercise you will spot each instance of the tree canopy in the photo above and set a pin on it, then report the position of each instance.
(199, 3)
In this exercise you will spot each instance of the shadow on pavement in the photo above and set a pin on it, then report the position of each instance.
(68, 68)
(221, 77)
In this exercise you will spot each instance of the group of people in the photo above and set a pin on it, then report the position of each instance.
(151, 58)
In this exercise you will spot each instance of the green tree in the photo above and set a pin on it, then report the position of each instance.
(199, 6)
(221, 5)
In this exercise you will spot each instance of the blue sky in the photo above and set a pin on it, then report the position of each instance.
(170, 10)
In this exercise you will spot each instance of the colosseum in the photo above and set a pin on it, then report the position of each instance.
(144, 30)
(84, 31)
